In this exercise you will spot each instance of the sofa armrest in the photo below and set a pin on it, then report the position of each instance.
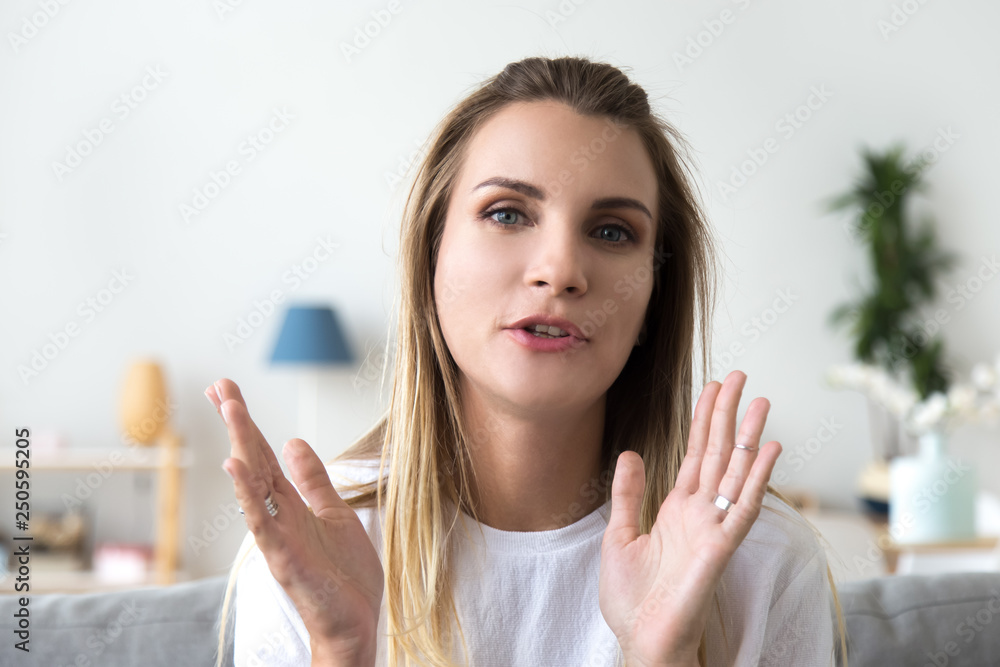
(154, 626)
(943, 619)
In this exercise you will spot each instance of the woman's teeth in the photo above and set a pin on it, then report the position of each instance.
(543, 331)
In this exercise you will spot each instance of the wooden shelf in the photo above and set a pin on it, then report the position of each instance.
(959, 545)
(119, 458)
(83, 581)
(894, 550)
(166, 460)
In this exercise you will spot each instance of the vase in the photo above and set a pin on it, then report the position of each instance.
(932, 495)
(144, 409)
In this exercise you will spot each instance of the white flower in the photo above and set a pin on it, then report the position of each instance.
(901, 401)
(978, 399)
(837, 376)
(868, 373)
(930, 412)
(984, 376)
(848, 375)
(881, 386)
(962, 398)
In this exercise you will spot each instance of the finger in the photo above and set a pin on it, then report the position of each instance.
(260, 522)
(690, 471)
(246, 445)
(262, 454)
(741, 460)
(311, 477)
(723, 430)
(213, 397)
(258, 455)
(627, 488)
(742, 515)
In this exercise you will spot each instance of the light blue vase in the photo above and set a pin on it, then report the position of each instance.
(932, 497)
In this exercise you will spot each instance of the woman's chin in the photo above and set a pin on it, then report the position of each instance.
(544, 398)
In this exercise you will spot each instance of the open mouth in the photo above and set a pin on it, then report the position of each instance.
(542, 331)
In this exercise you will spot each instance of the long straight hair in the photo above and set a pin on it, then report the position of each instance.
(421, 442)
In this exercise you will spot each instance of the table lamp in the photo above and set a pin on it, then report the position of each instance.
(310, 336)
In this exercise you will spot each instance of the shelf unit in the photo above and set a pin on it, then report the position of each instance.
(167, 461)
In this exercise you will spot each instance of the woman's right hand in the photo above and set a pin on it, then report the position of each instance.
(320, 554)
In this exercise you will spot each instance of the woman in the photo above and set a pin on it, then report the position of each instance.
(511, 507)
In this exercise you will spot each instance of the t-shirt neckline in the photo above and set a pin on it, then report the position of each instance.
(539, 541)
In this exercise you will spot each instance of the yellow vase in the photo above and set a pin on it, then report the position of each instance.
(144, 412)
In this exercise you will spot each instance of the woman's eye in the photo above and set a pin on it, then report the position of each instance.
(509, 217)
(616, 233)
(503, 216)
(619, 234)
(506, 215)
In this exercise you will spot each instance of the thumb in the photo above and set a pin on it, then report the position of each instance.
(626, 499)
(310, 477)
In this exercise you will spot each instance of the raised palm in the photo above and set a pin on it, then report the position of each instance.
(320, 554)
(656, 589)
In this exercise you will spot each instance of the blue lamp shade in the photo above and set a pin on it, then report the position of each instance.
(311, 335)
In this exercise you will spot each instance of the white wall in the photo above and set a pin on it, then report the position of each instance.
(324, 175)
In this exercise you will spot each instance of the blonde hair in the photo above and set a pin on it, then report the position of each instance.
(421, 442)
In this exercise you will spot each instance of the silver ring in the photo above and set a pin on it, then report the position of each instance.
(749, 449)
(722, 503)
(272, 507)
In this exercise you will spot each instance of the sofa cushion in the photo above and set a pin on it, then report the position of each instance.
(944, 620)
(923, 620)
(168, 626)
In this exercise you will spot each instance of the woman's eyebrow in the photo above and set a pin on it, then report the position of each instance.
(530, 190)
(526, 189)
(621, 202)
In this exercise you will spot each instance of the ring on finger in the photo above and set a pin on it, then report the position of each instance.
(746, 447)
(272, 507)
(723, 503)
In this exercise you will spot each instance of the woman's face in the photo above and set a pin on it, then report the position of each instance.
(569, 234)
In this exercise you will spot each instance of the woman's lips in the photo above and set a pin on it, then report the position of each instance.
(541, 344)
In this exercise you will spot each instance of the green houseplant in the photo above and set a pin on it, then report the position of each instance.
(905, 261)
(901, 360)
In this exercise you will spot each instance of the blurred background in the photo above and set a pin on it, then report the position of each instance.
(174, 176)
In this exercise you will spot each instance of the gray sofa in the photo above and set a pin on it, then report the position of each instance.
(947, 619)
(170, 625)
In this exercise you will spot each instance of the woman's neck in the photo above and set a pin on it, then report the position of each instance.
(535, 472)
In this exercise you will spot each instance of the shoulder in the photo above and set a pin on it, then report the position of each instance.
(345, 473)
(354, 471)
(781, 524)
(774, 595)
(780, 547)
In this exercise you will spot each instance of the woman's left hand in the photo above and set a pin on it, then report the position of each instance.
(656, 589)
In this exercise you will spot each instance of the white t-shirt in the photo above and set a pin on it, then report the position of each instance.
(531, 598)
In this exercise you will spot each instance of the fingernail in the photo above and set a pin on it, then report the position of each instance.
(225, 412)
(209, 397)
(228, 473)
(218, 392)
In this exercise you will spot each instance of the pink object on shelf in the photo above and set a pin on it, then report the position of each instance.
(47, 441)
(121, 562)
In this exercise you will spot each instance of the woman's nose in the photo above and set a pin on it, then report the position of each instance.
(558, 261)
